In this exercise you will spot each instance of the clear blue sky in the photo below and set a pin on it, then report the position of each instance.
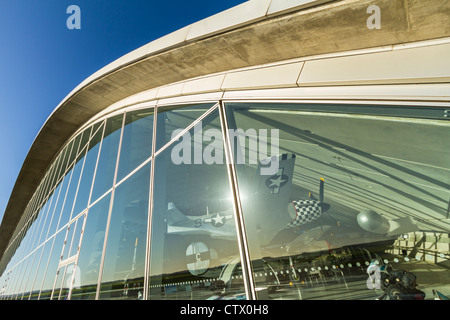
(41, 60)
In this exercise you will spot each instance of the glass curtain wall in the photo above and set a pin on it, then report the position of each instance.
(88, 235)
(344, 202)
(338, 202)
(193, 235)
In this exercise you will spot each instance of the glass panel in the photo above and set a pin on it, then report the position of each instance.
(123, 269)
(29, 275)
(136, 141)
(73, 238)
(90, 161)
(194, 245)
(59, 205)
(32, 229)
(49, 216)
(40, 272)
(61, 273)
(91, 250)
(64, 155)
(22, 277)
(177, 117)
(71, 191)
(52, 266)
(349, 206)
(32, 273)
(71, 153)
(68, 241)
(18, 275)
(107, 159)
(65, 280)
(77, 236)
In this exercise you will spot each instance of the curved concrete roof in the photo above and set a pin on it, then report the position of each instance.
(254, 33)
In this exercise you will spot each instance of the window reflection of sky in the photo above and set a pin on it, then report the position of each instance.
(367, 181)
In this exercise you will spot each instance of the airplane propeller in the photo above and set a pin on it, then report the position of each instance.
(324, 206)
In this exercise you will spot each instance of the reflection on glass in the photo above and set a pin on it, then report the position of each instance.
(106, 166)
(22, 278)
(71, 191)
(85, 184)
(124, 265)
(172, 118)
(65, 158)
(56, 215)
(32, 273)
(52, 265)
(65, 279)
(349, 205)
(193, 231)
(73, 238)
(89, 260)
(40, 271)
(136, 141)
(60, 274)
(49, 216)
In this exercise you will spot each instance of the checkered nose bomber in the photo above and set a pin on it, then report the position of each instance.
(308, 210)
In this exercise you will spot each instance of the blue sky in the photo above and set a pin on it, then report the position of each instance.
(41, 60)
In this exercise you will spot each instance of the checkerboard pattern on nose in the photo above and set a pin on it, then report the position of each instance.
(306, 210)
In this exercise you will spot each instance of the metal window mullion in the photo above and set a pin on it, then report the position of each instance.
(111, 202)
(63, 203)
(77, 255)
(150, 207)
(82, 169)
(238, 213)
(70, 217)
(48, 263)
(37, 269)
(60, 263)
(44, 220)
(53, 213)
(189, 127)
(22, 275)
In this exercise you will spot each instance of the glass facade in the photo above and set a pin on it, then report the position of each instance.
(237, 200)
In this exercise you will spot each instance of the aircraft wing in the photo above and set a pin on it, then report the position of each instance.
(174, 216)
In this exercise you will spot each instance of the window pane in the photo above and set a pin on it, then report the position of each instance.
(90, 161)
(71, 191)
(48, 218)
(107, 159)
(73, 238)
(136, 141)
(91, 250)
(348, 194)
(64, 159)
(58, 283)
(32, 273)
(40, 272)
(194, 246)
(171, 118)
(52, 266)
(123, 269)
(54, 223)
(22, 277)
